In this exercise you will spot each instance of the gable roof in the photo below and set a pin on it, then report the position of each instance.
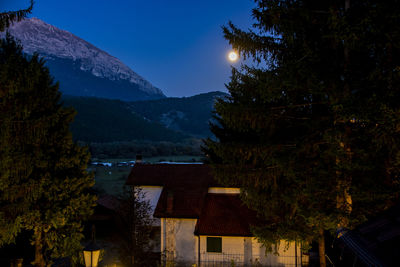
(185, 195)
(187, 184)
(225, 215)
(186, 202)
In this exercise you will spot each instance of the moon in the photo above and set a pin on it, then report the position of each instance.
(233, 56)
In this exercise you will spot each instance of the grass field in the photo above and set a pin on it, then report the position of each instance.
(110, 180)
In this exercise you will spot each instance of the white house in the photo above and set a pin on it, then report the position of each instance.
(202, 222)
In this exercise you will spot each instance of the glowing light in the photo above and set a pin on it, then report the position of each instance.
(233, 56)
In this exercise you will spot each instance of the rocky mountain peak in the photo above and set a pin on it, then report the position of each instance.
(51, 42)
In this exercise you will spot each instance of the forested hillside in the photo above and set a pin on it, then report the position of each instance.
(103, 120)
(189, 115)
(115, 129)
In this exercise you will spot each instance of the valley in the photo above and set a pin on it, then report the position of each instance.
(111, 174)
(119, 113)
(117, 129)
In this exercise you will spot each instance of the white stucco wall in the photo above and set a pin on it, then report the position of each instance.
(230, 245)
(283, 254)
(232, 249)
(178, 241)
(224, 190)
(152, 194)
(249, 250)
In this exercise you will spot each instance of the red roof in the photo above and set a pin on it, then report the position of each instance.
(186, 202)
(225, 215)
(187, 184)
(185, 195)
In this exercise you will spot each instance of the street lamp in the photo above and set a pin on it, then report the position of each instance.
(91, 252)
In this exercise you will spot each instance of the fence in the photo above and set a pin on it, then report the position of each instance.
(235, 260)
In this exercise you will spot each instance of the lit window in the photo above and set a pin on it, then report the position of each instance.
(214, 244)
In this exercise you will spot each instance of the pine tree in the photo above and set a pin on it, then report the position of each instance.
(135, 228)
(312, 138)
(8, 17)
(43, 176)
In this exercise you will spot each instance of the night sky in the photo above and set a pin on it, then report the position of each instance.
(177, 45)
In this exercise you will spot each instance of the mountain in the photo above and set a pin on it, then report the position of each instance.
(189, 115)
(105, 120)
(170, 119)
(81, 68)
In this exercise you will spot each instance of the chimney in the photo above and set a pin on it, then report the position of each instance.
(170, 202)
(139, 158)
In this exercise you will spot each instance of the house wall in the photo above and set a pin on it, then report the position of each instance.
(248, 250)
(232, 249)
(283, 254)
(230, 245)
(152, 194)
(178, 242)
(224, 190)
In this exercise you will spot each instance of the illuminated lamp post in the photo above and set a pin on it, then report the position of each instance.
(91, 252)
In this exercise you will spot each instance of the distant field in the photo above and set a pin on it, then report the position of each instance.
(110, 180)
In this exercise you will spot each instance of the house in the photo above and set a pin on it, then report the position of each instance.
(202, 222)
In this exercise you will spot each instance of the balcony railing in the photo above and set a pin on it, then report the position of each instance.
(169, 259)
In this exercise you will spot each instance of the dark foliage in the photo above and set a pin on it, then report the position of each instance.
(313, 137)
(135, 229)
(190, 115)
(43, 176)
(145, 148)
(8, 17)
(105, 120)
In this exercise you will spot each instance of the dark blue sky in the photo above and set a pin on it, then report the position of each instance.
(175, 44)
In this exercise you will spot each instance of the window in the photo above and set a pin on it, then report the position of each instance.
(214, 244)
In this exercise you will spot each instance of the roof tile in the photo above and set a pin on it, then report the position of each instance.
(185, 189)
(225, 215)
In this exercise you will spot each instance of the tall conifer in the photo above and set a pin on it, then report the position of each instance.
(8, 17)
(43, 176)
(312, 138)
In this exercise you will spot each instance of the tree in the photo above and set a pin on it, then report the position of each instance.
(43, 176)
(136, 225)
(312, 138)
(8, 17)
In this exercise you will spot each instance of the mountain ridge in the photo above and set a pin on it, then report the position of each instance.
(190, 115)
(60, 47)
(108, 120)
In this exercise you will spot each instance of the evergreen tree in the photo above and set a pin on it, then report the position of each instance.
(8, 17)
(135, 228)
(43, 176)
(313, 138)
